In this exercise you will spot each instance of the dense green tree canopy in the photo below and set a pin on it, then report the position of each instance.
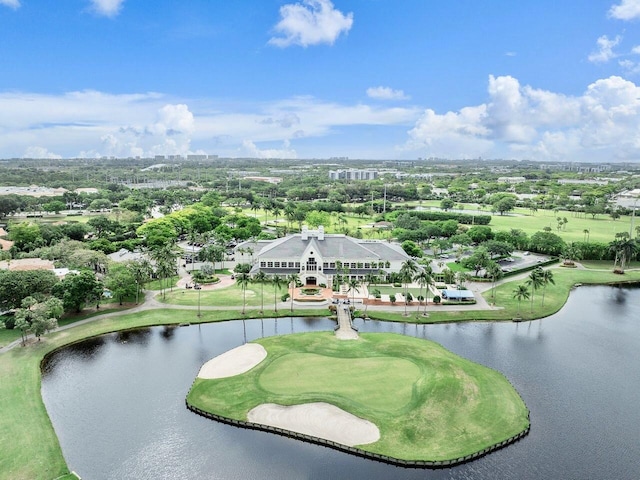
(26, 235)
(78, 289)
(16, 285)
(546, 242)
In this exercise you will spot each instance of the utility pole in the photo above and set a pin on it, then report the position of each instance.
(384, 203)
(633, 214)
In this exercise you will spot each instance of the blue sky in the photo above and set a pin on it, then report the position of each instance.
(380, 79)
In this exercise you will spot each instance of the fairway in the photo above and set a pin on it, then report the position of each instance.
(429, 404)
(378, 379)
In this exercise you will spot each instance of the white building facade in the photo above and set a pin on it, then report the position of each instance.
(318, 258)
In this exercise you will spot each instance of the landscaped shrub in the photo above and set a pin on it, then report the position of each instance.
(310, 291)
(285, 297)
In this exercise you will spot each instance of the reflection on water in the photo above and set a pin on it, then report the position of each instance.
(117, 401)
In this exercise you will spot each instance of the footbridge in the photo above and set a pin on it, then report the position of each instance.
(345, 329)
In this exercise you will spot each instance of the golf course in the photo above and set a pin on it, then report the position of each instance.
(428, 404)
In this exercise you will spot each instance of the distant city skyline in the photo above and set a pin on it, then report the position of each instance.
(366, 79)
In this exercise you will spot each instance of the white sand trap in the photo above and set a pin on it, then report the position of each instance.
(234, 362)
(321, 420)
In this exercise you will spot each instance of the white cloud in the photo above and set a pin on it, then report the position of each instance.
(311, 22)
(94, 124)
(522, 122)
(10, 3)
(626, 10)
(605, 49)
(629, 66)
(636, 50)
(386, 93)
(108, 8)
(39, 152)
(249, 149)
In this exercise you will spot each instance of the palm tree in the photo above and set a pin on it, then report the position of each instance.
(570, 254)
(407, 271)
(261, 278)
(278, 283)
(212, 254)
(243, 281)
(547, 277)
(255, 206)
(624, 249)
(448, 275)
(463, 277)
(192, 237)
(165, 257)
(141, 270)
(423, 278)
(586, 235)
(520, 293)
(293, 280)
(353, 287)
(368, 280)
(535, 281)
(495, 272)
(276, 212)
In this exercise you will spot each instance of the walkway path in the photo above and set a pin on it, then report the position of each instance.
(345, 330)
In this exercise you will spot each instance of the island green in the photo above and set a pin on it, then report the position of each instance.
(428, 403)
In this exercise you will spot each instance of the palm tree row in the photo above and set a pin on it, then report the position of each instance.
(538, 278)
(262, 278)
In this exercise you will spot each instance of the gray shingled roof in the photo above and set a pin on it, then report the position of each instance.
(333, 247)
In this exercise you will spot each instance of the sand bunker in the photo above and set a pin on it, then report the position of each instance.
(234, 362)
(321, 420)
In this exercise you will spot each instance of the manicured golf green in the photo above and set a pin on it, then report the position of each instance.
(428, 403)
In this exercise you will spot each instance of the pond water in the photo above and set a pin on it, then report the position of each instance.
(117, 402)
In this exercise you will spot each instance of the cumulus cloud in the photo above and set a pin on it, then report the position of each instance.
(311, 22)
(93, 124)
(39, 152)
(108, 8)
(10, 3)
(605, 52)
(524, 122)
(626, 10)
(251, 150)
(386, 93)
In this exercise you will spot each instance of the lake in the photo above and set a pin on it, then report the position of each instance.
(117, 402)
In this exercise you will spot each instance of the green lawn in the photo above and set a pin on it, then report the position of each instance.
(601, 229)
(30, 448)
(8, 336)
(607, 264)
(167, 283)
(231, 296)
(391, 290)
(428, 403)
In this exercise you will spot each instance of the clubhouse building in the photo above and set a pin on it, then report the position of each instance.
(318, 257)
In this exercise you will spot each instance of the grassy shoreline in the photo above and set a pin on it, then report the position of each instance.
(415, 391)
(31, 450)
